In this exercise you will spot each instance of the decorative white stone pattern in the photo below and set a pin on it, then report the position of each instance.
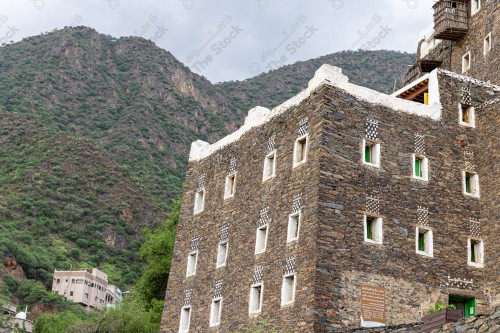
(296, 204)
(224, 233)
(372, 129)
(373, 205)
(201, 182)
(218, 288)
(475, 228)
(419, 144)
(302, 127)
(195, 241)
(469, 160)
(290, 267)
(232, 166)
(460, 283)
(258, 274)
(187, 298)
(264, 217)
(466, 95)
(423, 216)
(271, 146)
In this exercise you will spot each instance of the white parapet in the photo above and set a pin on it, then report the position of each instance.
(332, 76)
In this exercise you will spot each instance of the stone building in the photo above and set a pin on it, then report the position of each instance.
(87, 286)
(341, 208)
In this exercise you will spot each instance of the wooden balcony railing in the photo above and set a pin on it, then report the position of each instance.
(412, 74)
(451, 19)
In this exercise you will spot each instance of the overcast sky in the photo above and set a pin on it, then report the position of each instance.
(232, 39)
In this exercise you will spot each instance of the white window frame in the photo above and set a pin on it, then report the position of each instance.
(192, 272)
(424, 166)
(251, 298)
(378, 232)
(212, 309)
(266, 166)
(183, 309)
(473, 10)
(466, 66)
(375, 153)
(222, 263)
(472, 115)
(285, 277)
(428, 241)
(475, 192)
(263, 248)
(479, 252)
(297, 163)
(488, 44)
(199, 205)
(289, 235)
(230, 187)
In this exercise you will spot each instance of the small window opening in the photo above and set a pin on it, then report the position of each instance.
(288, 289)
(185, 320)
(471, 184)
(476, 6)
(466, 62)
(467, 115)
(466, 304)
(476, 255)
(222, 254)
(199, 201)
(424, 241)
(371, 153)
(293, 227)
(255, 298)
(215, 312)
(191, 264)
(420, 167)
(487, 44)
(230, 186)
(373, 229)
(269, 166)
(261, 239)
(300, 151)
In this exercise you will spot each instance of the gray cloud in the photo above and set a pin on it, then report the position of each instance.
(232, 40)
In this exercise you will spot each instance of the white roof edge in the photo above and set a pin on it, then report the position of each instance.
(332, 76)
(468, 79)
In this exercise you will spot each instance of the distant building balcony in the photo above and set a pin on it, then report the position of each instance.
(451, 19)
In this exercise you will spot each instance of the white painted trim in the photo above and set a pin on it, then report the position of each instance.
(227, 187)
(259, 310)
(294, 286)
(480, 263)
(219, 264)
(472, 10)
(428, 240)
(466, 66)
(487, 46)
(375, 152)
(331, 76)
(289, 237)
(474, 184)
(378, 232)
(425, 167)
(306, 148)
(266, 159)
(263, 249)
(199, 209)
(188, 319)
(472, 116)
(216, 323)
(193, 271)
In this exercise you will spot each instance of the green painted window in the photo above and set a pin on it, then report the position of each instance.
(368, 153)
(421, 241)
(370, 221)
(418, 167)
(467, 183)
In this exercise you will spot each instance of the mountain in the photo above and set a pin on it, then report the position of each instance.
(95, 134)
(378, 70)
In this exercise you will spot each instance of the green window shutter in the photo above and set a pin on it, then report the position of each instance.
(418, 167)
(369, 228)
(470, 307)
(467, 184)
(368, 154)
(472, 252)
(421, 242)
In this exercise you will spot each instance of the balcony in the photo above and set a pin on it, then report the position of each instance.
(412, 74)
(451, 19)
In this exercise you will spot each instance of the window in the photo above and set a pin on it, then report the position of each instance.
(371, 153)
(466, 115)
(487, 44)
(191, 264)
(466, 62)
(255, 305)
(269, 166)
(466, 304)
(73, 281)
(71, 293)
(424, 242)
(373, 229)
(293, 227)
(475, 249)
(470, 183)
(261, 239)
(300, 151)
(79, 281)
(185, 319)
(420, 167)
(475, 6)
(199, 201)
(222, 254)
(58, 281)
(288, 289)
(215, 312)
(230, 186)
